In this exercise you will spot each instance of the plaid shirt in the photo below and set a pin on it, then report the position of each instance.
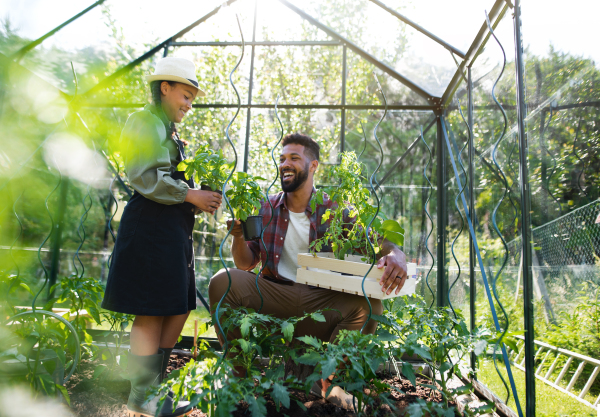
(276, 231)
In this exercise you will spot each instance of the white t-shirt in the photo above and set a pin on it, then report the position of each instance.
(296, 241)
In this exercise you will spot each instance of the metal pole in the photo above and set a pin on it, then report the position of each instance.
(471, 150)
(441, 215)
(57, 238)
(344, 71)
(425, 32)
(260, 43)
(249, 111)
(525, 220)
(401, 107)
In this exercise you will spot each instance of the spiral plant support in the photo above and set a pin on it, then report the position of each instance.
(262, 233)
(504, 183)
(218, 308)
(426, 210)
(372, 179)
(460, 193)
(474, 237)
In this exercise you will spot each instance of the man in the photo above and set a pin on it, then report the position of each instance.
(292, 228)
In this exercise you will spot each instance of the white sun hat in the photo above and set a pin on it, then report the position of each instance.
(180, 70)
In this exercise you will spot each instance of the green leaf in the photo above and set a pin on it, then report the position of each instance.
(328, 367)
(26, 287)
(310, 340)
(245, 345)
(409, 373)
(302, 406)
(288, 330)
(64, 393)
(50, 366)
(46, 383)
(309, 358)
(392, 226)
(421, 352)
(395, 238)
(445, 367)
(257, 407)
(245, 326)
(99, 370)
(61, 356)
(317, 316)
(385, 336)
(93, 310)
(450, 412)
(281, 394)
(50, 303)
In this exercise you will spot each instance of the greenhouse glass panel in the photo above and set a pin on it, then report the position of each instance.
(300, 75)
(497, 197)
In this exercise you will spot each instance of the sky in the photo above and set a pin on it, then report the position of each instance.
(569, 28)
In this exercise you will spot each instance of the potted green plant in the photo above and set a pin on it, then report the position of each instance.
(348, 243)
(209, 168)
(244, 196)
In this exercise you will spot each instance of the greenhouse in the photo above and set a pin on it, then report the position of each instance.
(454, 160)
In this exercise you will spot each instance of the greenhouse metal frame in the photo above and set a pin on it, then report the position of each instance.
(446, 146)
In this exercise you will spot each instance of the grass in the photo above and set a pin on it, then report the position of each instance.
(549, 401)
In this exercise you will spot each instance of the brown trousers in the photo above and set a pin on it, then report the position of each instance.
(284, 301)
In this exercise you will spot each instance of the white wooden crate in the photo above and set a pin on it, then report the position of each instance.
(325, 271)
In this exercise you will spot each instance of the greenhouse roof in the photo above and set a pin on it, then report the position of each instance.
(433, 58)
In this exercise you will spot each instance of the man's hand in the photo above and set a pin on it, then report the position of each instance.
(395, 274)
(237, 230)
(208, 201)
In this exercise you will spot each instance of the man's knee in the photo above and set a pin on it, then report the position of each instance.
(376, 306)
(218, 285)
(215, 286)
(363, 307)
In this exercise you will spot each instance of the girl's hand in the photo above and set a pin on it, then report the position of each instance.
(208, 201)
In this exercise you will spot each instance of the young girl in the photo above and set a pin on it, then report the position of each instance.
(152, 269)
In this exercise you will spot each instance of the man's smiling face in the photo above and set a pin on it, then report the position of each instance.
(294, 167)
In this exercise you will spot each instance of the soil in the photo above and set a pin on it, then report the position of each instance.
(97, 398)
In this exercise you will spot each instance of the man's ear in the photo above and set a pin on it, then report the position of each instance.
(314, 164)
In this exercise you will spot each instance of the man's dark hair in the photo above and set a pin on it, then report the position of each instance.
(311, 147)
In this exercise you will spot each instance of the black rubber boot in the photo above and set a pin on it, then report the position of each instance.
(144, 372)
(165, 362)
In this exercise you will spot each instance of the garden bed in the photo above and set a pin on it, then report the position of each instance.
(107, 398)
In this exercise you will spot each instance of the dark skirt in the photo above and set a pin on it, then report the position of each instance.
(152, 266)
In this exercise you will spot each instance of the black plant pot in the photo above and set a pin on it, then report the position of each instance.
(252, 227)
(207, 188)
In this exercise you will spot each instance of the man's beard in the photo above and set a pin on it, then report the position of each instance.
(299, 179)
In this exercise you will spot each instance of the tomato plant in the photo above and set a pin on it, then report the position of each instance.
(208, 167)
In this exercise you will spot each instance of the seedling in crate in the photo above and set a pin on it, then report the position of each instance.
(352, 213)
